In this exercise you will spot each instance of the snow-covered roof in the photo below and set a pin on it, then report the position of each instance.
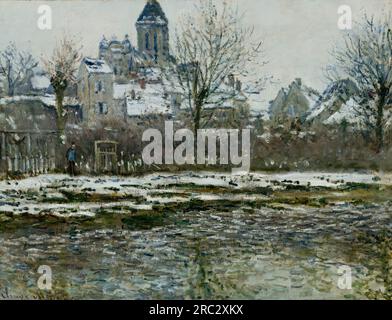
(151, 100)
(142, 107)
(96, 66)
(49, 100)
(39, 82)
(337, 96)
(347, 112)
(318, 108)
(120, 91)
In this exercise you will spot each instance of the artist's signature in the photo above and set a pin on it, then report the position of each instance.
(6, 294)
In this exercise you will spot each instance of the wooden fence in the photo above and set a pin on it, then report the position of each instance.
(24, 152)
(29, 152)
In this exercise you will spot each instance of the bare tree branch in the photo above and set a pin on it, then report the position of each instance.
(211, 44)
(15, 67)
(62, 67)
(366, 59)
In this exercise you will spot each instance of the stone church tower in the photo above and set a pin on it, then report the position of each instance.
(153, 32)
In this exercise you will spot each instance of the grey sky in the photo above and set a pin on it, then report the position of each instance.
(298, 34)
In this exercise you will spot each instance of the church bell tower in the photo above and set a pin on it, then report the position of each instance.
(153, 32)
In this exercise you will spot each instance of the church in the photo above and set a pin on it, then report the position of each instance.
(152, 28)
(126, 82)
(114, 85)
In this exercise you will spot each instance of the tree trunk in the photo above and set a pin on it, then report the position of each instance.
(11, 90)
(380, 120)
(196, 119)
(196, 123)
(60, 119)
(60, 122)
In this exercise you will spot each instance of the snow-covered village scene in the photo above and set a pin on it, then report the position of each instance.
(196, 149)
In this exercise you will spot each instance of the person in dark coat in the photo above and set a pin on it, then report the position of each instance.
(71, 158)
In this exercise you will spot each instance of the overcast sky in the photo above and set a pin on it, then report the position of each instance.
(298, 34)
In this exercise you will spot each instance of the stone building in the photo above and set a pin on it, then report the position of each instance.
(153, 32)
(292, 103)
(95, 91)
(124, 58)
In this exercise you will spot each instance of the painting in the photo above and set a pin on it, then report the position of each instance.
(196, 150)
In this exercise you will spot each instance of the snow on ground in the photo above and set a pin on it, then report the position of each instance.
(46, 194)
(104, 183)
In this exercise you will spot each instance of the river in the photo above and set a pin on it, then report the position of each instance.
(196, 236)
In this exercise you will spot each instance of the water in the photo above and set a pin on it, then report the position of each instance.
(231, 250)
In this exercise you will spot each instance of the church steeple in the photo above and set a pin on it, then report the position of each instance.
(153, 31)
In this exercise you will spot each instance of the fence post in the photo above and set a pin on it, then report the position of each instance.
(41, 163)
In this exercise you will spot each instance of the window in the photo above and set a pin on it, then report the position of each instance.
(147, 41)
(102, 108)
(98, 86)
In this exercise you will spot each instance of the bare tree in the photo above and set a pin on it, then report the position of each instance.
(366, 59)
(15, 67)
(62, 67)
(210, 45)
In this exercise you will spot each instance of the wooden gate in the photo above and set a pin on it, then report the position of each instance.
(106, 156)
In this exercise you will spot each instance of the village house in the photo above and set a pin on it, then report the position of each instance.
(95, 91)
(292, 103)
